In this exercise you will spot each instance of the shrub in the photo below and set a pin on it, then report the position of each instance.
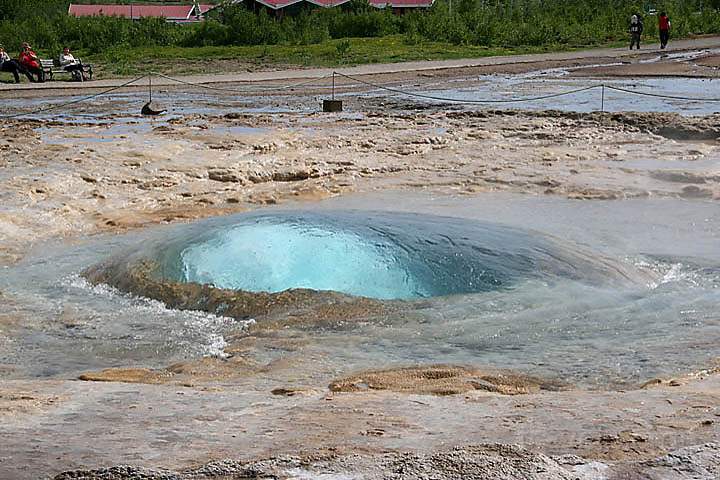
(509, 23)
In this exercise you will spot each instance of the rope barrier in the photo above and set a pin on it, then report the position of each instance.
(457, 100)
(259, 88)
(398, 91)
(529, 99)
(73, 102)
(658, 95)
(150, 87)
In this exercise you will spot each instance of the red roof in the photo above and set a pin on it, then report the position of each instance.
(278, 4)
(170, 12)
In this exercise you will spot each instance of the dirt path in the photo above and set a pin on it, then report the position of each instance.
(513, 63)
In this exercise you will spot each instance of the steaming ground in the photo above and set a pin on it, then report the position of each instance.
(66, 181)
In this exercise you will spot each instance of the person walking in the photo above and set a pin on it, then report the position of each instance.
(636, 30)
(30, 63)
(9, 65)
(664, 27)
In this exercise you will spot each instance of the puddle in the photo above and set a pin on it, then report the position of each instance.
(702, 165)
(498, 88)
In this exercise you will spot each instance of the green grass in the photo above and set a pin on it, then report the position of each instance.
(390, 49)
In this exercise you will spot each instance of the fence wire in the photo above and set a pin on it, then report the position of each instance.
(73, 102)
(263, 87)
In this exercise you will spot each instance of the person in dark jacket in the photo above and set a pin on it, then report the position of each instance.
(636, 30)
(9, 65)
(664, 28)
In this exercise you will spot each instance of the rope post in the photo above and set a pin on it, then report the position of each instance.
(602, 99)
(332, 105)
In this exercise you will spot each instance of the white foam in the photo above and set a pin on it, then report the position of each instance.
(202, 322)
(302, 474)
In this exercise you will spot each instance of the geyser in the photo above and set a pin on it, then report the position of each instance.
(377, 255)
(272, 257)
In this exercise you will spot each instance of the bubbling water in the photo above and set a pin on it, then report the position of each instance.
(378, 255)
(278, 257)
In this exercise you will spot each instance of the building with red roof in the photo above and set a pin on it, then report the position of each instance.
(171, 13)
(398, 6)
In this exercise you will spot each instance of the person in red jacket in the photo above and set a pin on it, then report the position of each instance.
(664, 27)
(30, 63)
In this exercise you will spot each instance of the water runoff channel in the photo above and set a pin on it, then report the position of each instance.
(511, 281)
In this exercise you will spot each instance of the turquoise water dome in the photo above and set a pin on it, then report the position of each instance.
(271, 257)
(379, 255)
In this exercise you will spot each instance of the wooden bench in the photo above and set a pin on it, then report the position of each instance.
(52, 67)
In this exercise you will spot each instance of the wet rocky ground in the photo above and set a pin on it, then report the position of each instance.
(65, 180)
(480, 462)
(74, 179)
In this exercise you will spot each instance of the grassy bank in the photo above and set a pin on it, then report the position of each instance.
(330, 53)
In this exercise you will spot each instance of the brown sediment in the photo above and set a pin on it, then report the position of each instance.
(712, 61)
(188, 373)
(15, 402)
(672, 126)
(300, 308)
(444, 380)
(660, 69)
(127, 375)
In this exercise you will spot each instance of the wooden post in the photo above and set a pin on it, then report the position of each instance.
(332, 105)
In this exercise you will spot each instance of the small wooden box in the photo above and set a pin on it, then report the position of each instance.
(332, 106)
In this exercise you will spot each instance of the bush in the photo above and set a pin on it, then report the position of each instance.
(493, 23)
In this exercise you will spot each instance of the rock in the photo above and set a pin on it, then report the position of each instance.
(127, 375)
(696, 462)
(292, 391)
(291, 175)
(152, 108)
(693, 191)
(259, 176)
(442, 380)
(88, 178)
(226, 176)
(676, 176)
(651, 383)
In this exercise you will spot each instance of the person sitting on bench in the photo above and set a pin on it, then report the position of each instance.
(30, 63)
(72, 65)
(9, 65)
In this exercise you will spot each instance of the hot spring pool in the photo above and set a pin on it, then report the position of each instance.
(379, 255)
(594, 293)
